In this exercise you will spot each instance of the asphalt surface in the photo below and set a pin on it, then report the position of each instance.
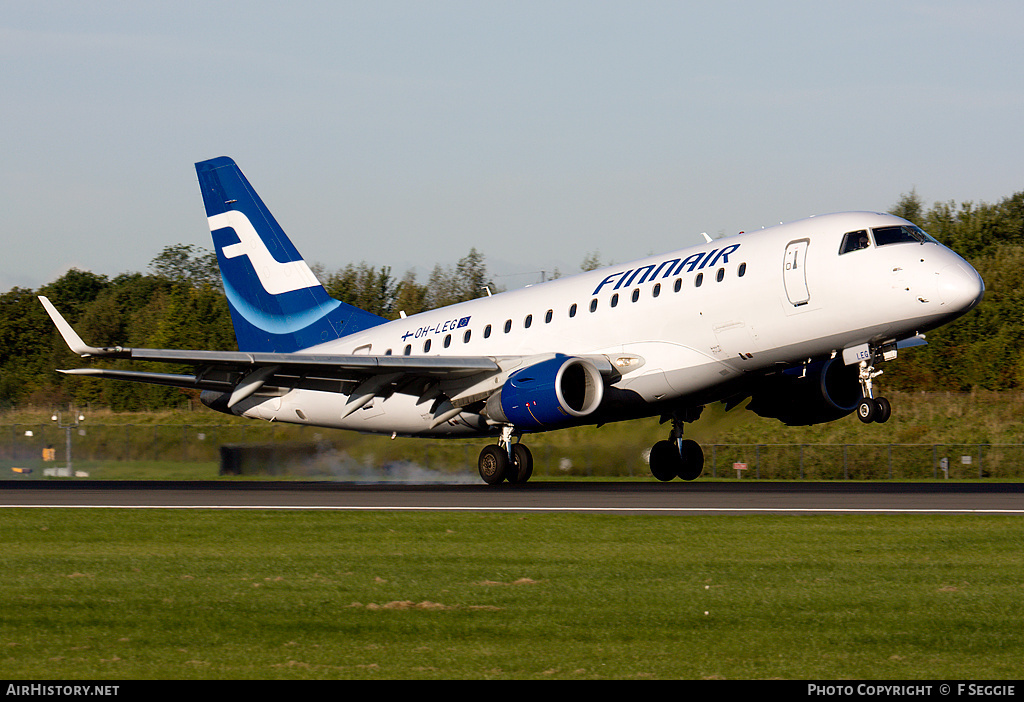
(598, 497)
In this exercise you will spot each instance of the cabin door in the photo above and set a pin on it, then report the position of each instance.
(794, 272)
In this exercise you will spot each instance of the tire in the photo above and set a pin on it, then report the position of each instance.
(866, 410)
(883, 410)
(665, 461)
(521, 468)
(691, 463)
(493, 464)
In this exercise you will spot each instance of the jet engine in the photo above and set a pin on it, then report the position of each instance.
(818, 392)
(547, 394)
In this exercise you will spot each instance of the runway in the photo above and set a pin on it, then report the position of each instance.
(677, 498)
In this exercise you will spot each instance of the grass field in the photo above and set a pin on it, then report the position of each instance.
(163, 594)
(186, 444)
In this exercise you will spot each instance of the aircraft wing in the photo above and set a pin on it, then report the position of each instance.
(450, 383)
(243, 373)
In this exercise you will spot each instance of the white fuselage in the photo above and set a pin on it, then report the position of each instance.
(690, 321)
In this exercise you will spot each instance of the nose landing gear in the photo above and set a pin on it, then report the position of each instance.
(871, 408)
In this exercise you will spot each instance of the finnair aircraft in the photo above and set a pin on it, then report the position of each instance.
(797, 318)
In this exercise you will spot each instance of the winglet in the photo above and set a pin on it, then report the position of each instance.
(71, 337)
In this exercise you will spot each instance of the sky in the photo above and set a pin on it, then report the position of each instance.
(406, 132)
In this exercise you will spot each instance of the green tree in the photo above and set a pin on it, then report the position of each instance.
(410, 297)
(909, 207)
(985, 348)
(28, 342)
(364, 286)
(591, 262)
(471, 276)
(195, 318)
(71, 292)
(185, 263)
(468, 280)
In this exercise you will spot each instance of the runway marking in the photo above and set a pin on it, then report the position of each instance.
(402, 508)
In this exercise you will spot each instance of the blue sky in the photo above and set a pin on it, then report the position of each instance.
(405, 133)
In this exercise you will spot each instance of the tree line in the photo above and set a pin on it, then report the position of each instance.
(985, 348)
(179, 303)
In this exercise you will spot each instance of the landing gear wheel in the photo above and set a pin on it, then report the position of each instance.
(883, 410)
(669, 461)
(866, 410)
(876, 409)
(521, 467)
(691, 463)
(493, 464)
(665, 461)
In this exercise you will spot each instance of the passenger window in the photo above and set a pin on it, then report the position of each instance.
(679, 284)
(508, 325)
(572, 310)
(487, 332)
(636, 294)
(615, 300)
(426, 346)
(593, 305)
(742, 270)
(698, 280)
(447, 340)
(465, 337)
(854, 241)
(528, 322)
(656, 291)
(721, 275)
(549, 316)
(408, 350)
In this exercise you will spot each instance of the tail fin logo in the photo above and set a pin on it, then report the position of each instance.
(275, 277)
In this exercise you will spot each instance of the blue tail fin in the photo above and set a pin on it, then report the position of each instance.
(277, 304)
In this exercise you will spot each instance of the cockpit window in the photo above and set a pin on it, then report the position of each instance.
(855, 241)
(907, 234)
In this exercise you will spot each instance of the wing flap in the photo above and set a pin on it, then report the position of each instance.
(172, 379)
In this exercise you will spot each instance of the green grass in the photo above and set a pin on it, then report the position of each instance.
(985, 426)
(164, 594)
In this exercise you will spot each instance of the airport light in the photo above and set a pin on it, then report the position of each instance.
(59, 418)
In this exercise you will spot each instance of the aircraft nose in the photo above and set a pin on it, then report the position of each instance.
(960, 287)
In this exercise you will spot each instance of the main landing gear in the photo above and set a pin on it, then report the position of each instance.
(506, 460)
(871, 408)
(677, 457)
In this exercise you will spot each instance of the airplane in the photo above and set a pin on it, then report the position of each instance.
(793, 320)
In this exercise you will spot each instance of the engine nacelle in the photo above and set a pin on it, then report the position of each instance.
(821, 392)
(547, 394)
(217, 401)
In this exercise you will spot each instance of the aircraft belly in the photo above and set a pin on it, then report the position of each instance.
(697, 378)
(396, 414)
(670, 370)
